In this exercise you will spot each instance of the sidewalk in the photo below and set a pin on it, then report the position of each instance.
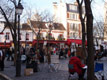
(43, 74)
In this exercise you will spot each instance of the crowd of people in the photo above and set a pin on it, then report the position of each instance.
(32, 56)
(100, 52)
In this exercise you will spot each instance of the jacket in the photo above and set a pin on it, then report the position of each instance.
(76, 65)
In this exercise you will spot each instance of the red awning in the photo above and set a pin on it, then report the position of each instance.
(48, 41)
(5, 46)
(76, 41)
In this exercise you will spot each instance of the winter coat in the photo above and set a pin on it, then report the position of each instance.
(75, 65)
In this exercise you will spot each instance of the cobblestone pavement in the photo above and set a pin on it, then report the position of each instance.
(43, 74)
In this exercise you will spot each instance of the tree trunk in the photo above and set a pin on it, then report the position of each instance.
(84, 52)
(90, 71)
(82, 19)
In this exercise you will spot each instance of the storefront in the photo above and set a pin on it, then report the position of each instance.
(5, 45)
(75, 41)
(61, 43)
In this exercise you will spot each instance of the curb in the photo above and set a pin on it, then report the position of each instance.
(5, 77)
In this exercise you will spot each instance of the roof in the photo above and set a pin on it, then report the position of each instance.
(35, 24)
(58, 26)
(25, 26)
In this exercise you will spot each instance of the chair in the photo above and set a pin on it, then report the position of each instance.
(99, 70)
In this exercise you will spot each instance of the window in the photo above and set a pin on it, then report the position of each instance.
(74, 16)
(74, 26)
(71, 35)
(73, 7)
(27, 36)
(7, 36)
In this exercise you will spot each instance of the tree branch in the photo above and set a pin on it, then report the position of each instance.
(81, 2)
(9, 24)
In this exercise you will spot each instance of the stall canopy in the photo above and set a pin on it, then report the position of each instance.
(7, 45)
(48, 41)
(76, 41)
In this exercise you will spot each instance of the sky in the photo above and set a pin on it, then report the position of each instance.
(97, 7)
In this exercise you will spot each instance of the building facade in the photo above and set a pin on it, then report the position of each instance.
(66, 25)
(27, 35)
(5, 36)
(68, 15)
(105, 21)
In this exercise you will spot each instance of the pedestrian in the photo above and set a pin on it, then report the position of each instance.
(75, 65)
(2, 57)
(66, 51)
(69, 53)
(41, 59)
(61, 53)
(10, 57)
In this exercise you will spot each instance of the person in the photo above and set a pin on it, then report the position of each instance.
(69, 53)
(61, 53)
(41, 58)
(75, 65)
(1, 60)
(10, 57)
(32, 63)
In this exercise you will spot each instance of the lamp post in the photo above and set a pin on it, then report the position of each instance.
(19, 10)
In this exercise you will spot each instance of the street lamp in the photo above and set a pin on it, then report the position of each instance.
(19, 10)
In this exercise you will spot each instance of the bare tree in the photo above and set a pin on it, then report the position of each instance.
(41, 18)
(98, 32)
(50, 21)
(8, 10)
(89, 28)
(38, 18)
(90, 46)
(81, 9)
